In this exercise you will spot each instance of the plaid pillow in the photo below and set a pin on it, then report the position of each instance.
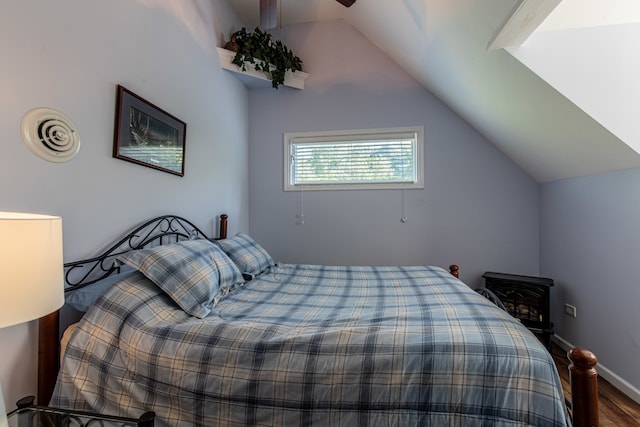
(194, 273)
(248, 255)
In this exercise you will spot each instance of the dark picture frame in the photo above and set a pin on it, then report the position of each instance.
(147, 135)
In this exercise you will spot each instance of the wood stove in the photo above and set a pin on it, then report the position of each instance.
(526, 298)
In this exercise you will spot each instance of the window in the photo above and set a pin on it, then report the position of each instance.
(359, 159)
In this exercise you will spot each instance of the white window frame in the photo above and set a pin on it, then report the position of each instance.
(416, 132)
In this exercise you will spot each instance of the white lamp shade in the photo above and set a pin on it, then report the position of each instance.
(31, 267)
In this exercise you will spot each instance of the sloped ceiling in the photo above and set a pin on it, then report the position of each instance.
(443, 45)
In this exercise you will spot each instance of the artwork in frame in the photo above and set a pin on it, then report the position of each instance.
(147, 135)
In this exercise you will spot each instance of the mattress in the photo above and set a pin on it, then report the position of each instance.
(313, 345)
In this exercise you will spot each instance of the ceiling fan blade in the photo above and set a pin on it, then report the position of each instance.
(268, 14)
(346, 3)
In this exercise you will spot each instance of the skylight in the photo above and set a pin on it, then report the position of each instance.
(591, 13)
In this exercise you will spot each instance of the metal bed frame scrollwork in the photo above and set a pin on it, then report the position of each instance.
(30, 415)
(157, 231)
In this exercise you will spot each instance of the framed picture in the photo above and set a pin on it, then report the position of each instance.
(147, 135)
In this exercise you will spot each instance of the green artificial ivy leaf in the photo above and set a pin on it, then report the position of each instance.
(272, 57)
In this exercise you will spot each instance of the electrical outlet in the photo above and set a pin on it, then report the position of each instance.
(569, 310)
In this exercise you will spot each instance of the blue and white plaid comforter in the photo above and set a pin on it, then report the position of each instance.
(313, 345)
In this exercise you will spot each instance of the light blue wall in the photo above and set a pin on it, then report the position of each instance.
(478, 209)
(70, 55)
(590, 241)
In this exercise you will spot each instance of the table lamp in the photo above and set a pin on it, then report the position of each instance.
(31, 271)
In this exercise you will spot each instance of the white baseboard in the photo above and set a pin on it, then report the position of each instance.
(604, 372)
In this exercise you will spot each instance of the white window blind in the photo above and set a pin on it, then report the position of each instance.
(359, 159)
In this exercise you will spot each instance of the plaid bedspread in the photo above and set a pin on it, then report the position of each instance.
(313, 345)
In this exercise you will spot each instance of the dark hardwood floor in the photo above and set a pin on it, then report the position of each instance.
(616, 409)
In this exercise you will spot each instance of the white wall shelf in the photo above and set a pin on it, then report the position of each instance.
(253, 78)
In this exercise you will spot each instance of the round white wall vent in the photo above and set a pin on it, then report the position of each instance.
(50, 134)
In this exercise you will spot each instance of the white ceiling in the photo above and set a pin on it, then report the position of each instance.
(443, 45)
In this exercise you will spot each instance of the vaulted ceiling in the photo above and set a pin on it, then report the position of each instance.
(443, 44)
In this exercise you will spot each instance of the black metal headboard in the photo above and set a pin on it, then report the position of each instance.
(162, 230)
(158, 231)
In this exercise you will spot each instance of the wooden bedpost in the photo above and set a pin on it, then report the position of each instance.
(48, 356)
(584, 387)
(454, 270)
(223, 226)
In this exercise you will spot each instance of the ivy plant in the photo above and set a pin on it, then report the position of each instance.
(266, 54)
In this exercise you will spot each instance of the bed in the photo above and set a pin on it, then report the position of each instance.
(214, 332)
